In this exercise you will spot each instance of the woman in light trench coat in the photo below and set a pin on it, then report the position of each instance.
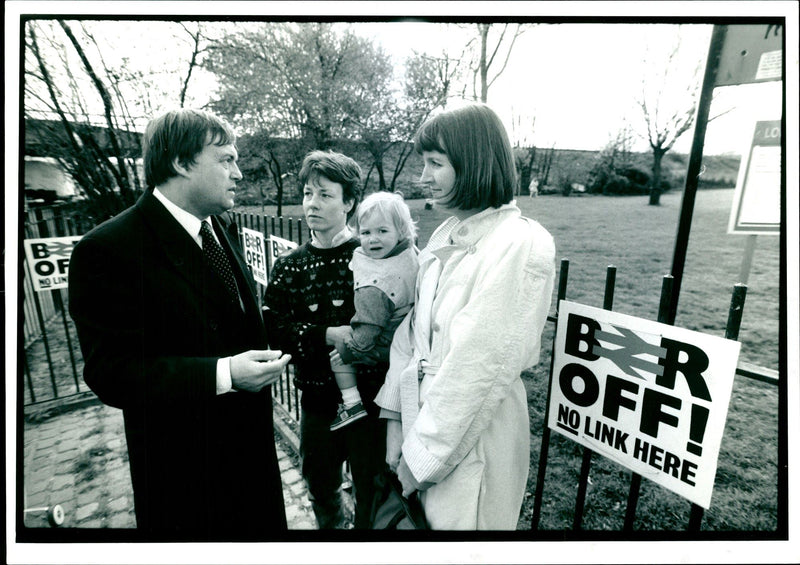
(457, 411)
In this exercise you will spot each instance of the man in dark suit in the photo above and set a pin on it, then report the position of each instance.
(171, 332)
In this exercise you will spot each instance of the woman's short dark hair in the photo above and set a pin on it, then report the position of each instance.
(180, 134)
(476, 143)
(337, 168)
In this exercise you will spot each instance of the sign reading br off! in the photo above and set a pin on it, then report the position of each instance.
(254, 254)
(48, 260)
(649, 396)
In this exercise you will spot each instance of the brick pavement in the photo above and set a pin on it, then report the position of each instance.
(79, 460)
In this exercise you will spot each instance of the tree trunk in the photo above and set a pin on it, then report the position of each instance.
(484, 29)
(655, 179)
(274, 166)
(381, 176)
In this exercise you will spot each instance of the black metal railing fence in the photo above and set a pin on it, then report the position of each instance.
(52, 363)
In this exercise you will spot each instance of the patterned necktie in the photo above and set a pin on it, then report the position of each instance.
(215, 256)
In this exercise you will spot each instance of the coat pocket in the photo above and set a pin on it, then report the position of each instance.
(452, 504)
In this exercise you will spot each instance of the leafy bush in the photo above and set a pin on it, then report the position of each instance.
(565, 184)
(619, 181)
(718, 182)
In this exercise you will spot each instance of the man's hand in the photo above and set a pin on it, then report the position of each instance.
(253, 370)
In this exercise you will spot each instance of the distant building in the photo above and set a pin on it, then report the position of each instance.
(46, 173)
(46, 179)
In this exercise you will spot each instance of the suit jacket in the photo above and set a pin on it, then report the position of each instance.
(153, 319)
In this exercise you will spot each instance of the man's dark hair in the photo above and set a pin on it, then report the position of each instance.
(180, 134)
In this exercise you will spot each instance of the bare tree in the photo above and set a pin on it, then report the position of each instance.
(85, 105)
(668, 102)
(492, 52)
(96, 153)
(524, 149)
(428, 84)
(196, 38)
(546, 165)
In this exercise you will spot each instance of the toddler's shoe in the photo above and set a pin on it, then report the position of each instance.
(348, 415)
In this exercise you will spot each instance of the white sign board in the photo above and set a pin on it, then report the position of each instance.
(649, 396)
(48, 259)
(254, 254)
(277, 247)
(757, 200)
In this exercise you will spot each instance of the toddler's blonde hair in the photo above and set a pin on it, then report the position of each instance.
(394, 208)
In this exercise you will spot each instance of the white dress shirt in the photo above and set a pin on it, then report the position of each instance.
(192, 226)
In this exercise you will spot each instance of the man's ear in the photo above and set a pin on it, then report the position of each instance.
(179, 168)
(350, 205)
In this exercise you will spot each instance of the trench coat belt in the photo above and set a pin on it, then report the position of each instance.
(425, 369)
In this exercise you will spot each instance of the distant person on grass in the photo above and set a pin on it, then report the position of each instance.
(384, 272)
(458, 427)
(171, 332)
(310, 300)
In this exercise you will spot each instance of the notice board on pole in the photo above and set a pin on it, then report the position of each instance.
(756, 205)
(649, 396)
(751, 53)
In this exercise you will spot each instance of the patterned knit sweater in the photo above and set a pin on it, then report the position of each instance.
(311, 289)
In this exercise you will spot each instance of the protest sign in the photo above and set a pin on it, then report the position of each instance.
(254, 254)
(649, 396)
(48, 259)
(277, 247)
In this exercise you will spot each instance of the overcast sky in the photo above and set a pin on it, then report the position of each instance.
(578, 80)
(581, 80)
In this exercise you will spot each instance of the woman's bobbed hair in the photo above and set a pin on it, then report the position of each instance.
(477, 145)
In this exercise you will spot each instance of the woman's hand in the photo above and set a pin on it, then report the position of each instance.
(410, 484)
(336, 359)
(394, 443)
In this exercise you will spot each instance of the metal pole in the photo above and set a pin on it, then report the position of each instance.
(747, 259)
(60, 305)
(731, 332)
(695, 162)
(580, 499)
(667, 289)
(542, 469)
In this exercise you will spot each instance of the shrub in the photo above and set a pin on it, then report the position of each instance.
(564, 184)
(412, 190)
(620, 181)
(718, 182)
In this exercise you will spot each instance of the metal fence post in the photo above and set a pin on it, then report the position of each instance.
(28, 375)
(580, 499)
(731, 332)
(636, 479)
(537, 498)
(60, 305)
(45, 341)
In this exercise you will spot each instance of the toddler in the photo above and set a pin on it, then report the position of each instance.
(384, 275)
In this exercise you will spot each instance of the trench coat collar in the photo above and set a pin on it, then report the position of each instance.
(468, 232)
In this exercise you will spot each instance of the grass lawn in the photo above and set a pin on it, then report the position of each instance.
(594, 232)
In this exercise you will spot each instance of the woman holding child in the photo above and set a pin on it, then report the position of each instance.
(457, 413)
